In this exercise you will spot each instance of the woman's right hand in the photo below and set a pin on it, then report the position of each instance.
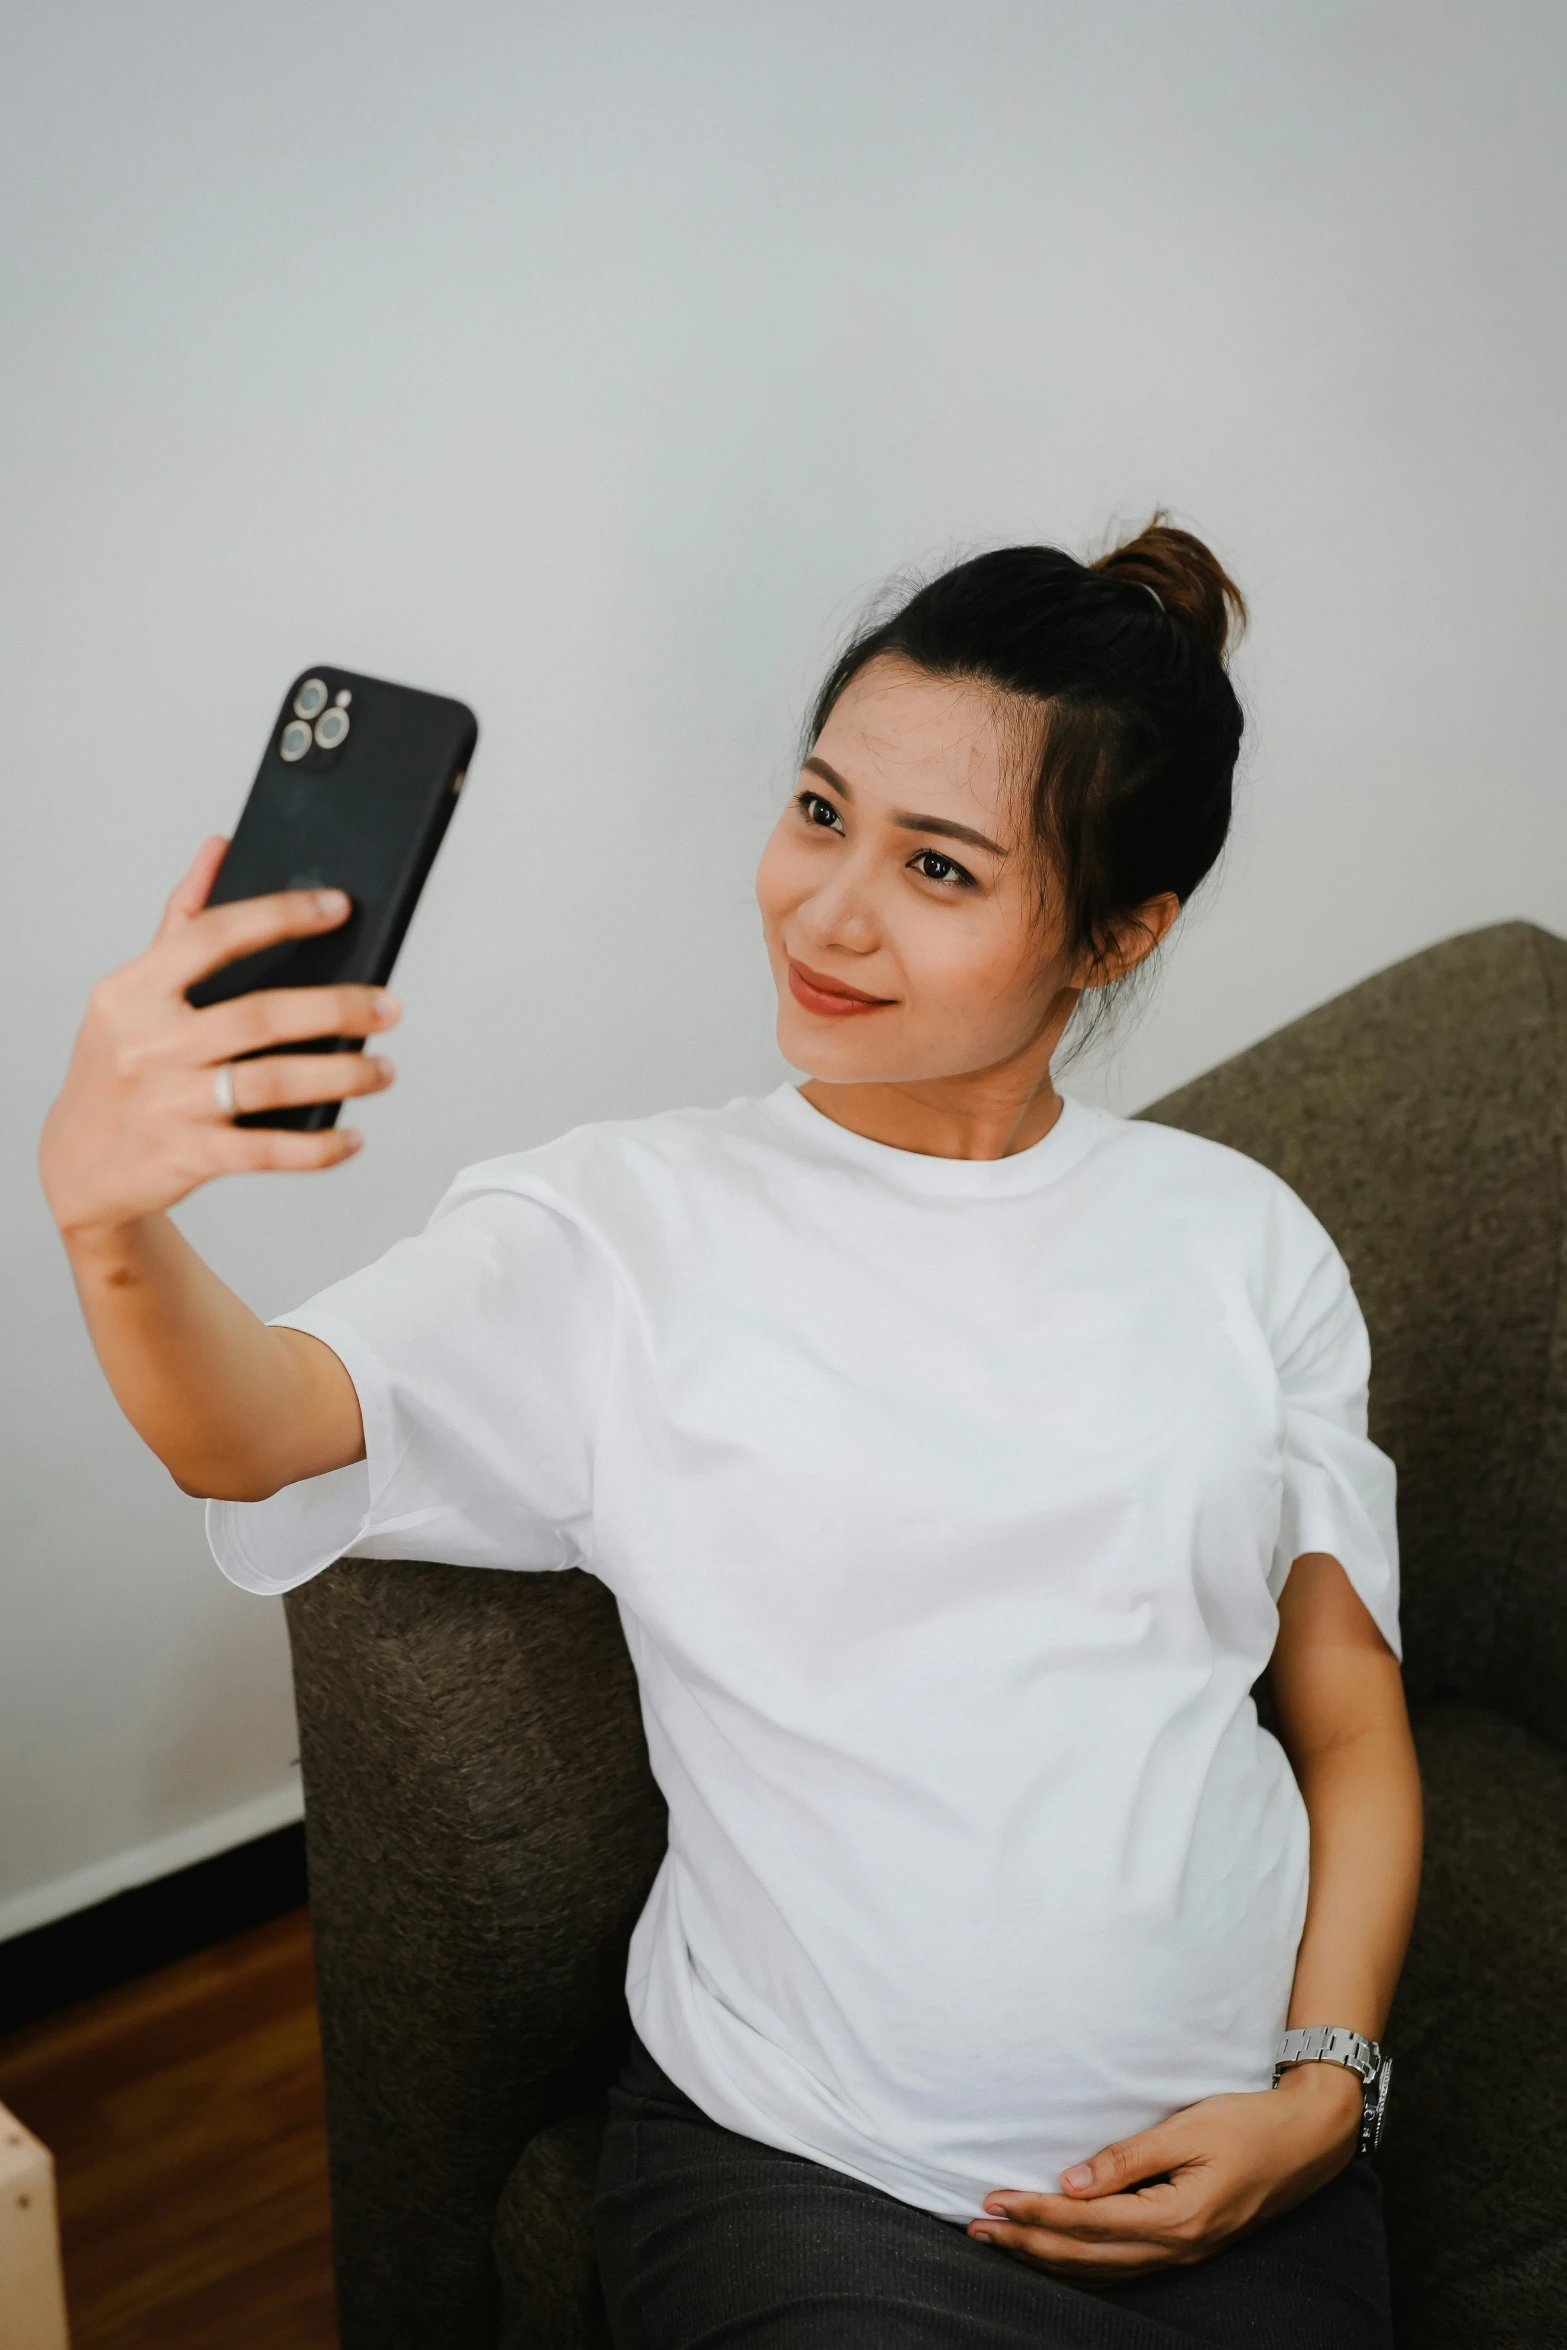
(139, 1121)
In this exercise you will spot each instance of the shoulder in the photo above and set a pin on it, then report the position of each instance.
(1226, 1202)
(1244, 1221)
(1195, 1167)
(602, 1176)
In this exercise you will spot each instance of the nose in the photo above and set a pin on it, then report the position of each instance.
(837, 914)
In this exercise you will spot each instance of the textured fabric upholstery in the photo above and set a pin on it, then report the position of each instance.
(1475, 2161)
(482, 1826)
(544, 2240)
(482, 1832)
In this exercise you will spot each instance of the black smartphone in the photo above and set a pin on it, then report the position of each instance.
(354, 792)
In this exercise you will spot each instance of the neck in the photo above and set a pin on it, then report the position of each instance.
(923, 1118)
(980, 1114)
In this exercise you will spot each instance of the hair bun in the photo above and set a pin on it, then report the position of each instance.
(1188, 579)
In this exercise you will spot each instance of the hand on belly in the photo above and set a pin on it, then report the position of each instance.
(1173, 2195)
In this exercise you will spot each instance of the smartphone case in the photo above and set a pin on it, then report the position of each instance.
(367, 817)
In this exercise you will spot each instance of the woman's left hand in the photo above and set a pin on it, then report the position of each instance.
(1213, 2171)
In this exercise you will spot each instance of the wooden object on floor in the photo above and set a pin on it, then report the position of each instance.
(32, 2296)
(186, 2117)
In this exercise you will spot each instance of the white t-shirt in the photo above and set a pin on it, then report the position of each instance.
(946, 1504)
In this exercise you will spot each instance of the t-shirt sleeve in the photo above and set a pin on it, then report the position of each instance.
(479, 1352)
(1339, 1489)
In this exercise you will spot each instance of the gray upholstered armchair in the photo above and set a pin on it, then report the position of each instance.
(482, 1826)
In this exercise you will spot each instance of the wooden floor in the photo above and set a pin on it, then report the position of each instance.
(186, 2122)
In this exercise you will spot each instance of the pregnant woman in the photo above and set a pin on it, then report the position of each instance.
(959, 1457)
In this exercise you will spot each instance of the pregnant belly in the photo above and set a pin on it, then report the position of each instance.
(988, 2018)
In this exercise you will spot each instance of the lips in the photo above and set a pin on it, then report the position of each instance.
(832, 999)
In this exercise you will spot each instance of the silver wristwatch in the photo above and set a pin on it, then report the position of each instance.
(1337, 2044)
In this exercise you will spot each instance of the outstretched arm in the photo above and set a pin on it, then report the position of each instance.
(1179, 2192)
(231, 1407)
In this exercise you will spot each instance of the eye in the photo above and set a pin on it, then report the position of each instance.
(818, 811)
(931, 865)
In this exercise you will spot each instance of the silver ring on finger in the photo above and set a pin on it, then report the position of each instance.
(223, 1087)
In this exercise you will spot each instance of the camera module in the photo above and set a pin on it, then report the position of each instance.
(332, 729)
(295, 740)
(311, 699)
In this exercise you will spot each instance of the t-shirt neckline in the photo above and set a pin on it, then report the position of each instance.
(1043, 1162)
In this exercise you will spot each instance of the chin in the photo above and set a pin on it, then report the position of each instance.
(832, 1059)
(813, 1054)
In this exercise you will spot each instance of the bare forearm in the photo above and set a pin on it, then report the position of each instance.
(231, 1407)
(1363, 1801)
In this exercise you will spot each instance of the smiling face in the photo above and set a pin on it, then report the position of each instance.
(900, 898)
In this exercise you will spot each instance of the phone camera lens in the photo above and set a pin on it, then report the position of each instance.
(332, 729)
(296, 740)
(311, 699)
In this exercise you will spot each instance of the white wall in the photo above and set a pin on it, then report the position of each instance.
(591, 362)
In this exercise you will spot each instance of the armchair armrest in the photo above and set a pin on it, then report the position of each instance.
(482, 1831)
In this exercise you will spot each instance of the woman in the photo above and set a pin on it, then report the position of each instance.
(960, 1458)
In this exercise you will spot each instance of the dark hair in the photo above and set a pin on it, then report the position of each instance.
(1132, 768)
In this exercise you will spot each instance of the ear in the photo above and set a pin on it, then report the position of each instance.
(1132, 941)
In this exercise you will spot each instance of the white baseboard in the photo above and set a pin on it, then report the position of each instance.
(40, 1905)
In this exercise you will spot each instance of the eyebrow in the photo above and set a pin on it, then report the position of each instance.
(941, 825)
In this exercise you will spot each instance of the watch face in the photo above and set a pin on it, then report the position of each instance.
(1376, 2107)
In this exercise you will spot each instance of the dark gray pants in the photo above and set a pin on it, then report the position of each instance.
(708, 2240)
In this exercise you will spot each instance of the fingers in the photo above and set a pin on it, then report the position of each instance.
(286, 1015)
(1114, 2168)
(278, 1150)
(190, 895)
(286, 1081)
(1065, 2256)
(1096, 2220)
(1122, 2233)
(142, 1119)
(1107, 2220)
(1097, 2205)
(191, 949)
(1173, 2193)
